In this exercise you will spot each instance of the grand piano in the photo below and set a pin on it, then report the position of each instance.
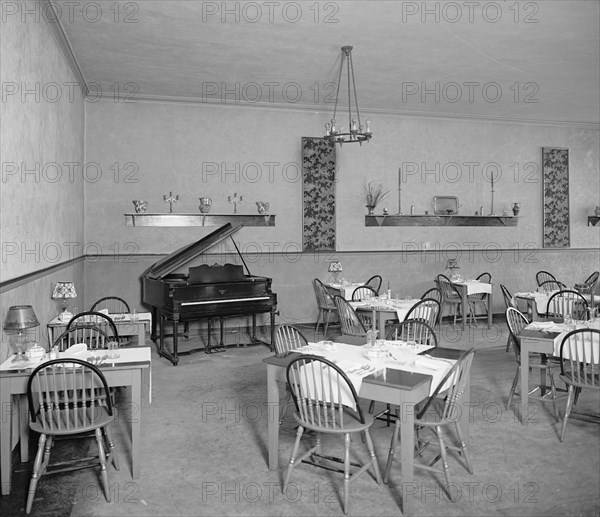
(204, 292)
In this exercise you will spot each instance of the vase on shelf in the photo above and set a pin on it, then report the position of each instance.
(140, 206)
(597, 211)
(205, 204)
(516, 208)
(262, 207)
(371, 209)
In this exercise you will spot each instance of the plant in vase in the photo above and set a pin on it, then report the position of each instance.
(374, 194)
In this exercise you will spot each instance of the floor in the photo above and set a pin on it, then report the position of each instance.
(204, 451)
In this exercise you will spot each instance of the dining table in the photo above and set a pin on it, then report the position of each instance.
(393, 380)
(344, 289)
(129, 369)
(542, 337)
(382, 309)
(136, 324)
(469, 287)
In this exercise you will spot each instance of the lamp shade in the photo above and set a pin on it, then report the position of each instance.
(335, 267)
(63, 290)
(20, 317)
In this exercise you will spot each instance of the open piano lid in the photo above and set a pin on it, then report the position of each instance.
(171, 262)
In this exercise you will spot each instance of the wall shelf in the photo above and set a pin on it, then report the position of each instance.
(440, 220)
(198, 219)
(593, 220)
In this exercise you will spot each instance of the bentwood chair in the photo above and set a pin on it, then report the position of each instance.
(97, 318)
(544, 276)
(113, 304)
(567, 303)
(434, 293)
(418, 331)
(427, 310)
(349, 321)
(580, 369)
(437, 413)
(509, 301)
(480, 299)
(551, 285)
(517, 321)
(93, 336)
(363, 292)
(588, 288)
(324, 303)
(287, 339)
(375, 283)
(68, 398)
(327, 403)
(451, 296)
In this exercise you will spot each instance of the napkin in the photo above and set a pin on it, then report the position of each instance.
(76, 349)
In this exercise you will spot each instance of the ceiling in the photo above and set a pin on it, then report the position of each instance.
(527, 61)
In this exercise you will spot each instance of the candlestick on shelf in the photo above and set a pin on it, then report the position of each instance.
(235, 200)
(400, 191)
(171, 199)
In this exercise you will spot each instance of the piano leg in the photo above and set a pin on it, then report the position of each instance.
(162, 351)
(153, 327)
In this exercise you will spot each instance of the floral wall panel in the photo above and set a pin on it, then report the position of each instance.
(318, 194)
(555, 174)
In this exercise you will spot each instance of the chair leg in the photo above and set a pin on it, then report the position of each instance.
(112, 450)
(567, 412)
(443, 452)
(327, 313)
(390, 460)
(513, 387)
(463, 448)
(346, 472)
(318, 320)
(292, 462)
(553, 390)
(39, 465)
(373, 457)
(103, 469)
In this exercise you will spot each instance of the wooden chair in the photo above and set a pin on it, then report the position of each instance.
(68, 398)
(287, 339)
(418, 331)
(451, 296)
(349, 321)
(93, 336)
(551, 285)
(375, 283)
(516, 321)
(567, 303)
(427, 310)
(588, 288)
(327, 403)
(440, 412)
(113, 304)
(434, 293)
(96, 318)
(480, 299)
(580, 369)
(363, 292)
(509, 301)
(544, 276)
(324, 303)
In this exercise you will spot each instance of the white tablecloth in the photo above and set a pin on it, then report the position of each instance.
(401, 357)
(475, 287)
(346, 290)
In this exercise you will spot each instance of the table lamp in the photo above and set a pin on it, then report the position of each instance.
(64, 291)
(335, 268)
(20, 318)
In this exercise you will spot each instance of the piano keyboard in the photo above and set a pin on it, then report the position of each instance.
(228, 300)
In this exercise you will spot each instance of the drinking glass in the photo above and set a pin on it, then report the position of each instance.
(113, 350)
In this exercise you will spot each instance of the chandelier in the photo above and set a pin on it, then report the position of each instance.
(356, 132)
